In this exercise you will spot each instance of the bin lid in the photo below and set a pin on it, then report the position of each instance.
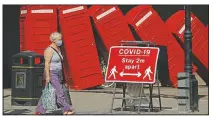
(27, 53)
(28, 58)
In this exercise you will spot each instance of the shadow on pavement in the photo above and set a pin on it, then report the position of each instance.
(142, 109)
(26, 111)
(176, 97)
(17, 111)
(6, 96)
(56, 112)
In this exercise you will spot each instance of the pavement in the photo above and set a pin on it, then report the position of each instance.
(98, 101)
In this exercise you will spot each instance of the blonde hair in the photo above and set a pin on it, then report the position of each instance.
(55, 35)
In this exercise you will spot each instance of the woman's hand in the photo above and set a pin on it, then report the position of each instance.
(47, 79)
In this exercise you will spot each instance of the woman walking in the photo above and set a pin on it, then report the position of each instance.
(53, 73)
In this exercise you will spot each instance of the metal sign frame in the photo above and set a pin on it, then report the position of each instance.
(141, 87)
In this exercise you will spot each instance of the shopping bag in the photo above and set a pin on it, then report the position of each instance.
(49, 97)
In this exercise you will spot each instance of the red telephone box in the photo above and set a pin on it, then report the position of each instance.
(40, 22)
(176, 24)
(150, 27)
(23, 13)
(111, 25)
(80, 47)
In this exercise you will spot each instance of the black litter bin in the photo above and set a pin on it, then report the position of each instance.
(27, 75)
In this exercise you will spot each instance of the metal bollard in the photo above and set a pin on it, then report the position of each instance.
(183, 92)
(194, 94)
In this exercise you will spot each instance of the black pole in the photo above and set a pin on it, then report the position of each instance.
(188, 40)
(193, 85)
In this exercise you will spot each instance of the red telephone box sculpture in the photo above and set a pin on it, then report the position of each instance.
(23, 13)
(40, 22)
(150, 27)
(176, 24)
(111, 25)
(80, 48)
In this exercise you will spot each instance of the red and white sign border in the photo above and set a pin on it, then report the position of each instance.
(119, 81)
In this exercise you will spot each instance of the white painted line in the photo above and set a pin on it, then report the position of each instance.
(183, 27)
(105, 13)
(23, 11)
(73, 9)
(42, 11)
(144, 18)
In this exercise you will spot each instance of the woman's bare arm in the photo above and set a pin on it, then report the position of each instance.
(47, 55)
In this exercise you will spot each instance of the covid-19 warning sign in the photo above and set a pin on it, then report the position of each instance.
(132, 64)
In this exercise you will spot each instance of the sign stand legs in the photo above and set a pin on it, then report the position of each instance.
(151, 91)
(124, 100)
(139, 107)
(158, 83)
(140, 96)
(150, 96)
(113, 98)
(159, 96)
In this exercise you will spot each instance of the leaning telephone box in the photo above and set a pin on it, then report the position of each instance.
(176, 24)
(150, 27)
(80, 47)
(40, 22)
(110, 24)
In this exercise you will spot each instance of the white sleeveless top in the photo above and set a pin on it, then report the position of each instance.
(55, 63)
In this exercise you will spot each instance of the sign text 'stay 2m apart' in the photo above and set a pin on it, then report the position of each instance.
(132, 64)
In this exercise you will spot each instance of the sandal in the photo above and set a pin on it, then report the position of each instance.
(38, 113)
(69, 112)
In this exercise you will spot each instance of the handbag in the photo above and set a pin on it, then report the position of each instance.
(49, 97)
(65, 89)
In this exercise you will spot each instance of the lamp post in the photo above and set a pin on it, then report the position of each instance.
(188, 41)
(193, 85)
